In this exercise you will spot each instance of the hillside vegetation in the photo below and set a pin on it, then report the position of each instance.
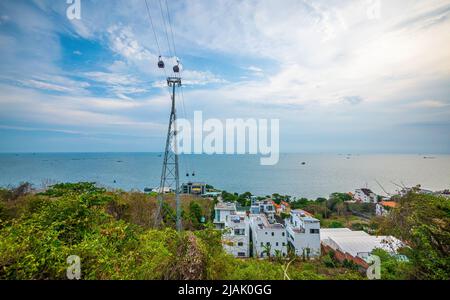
(111, 231)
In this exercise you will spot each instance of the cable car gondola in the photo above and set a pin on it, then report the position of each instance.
(176, 68)
(160, 63)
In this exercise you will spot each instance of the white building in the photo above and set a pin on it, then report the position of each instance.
(365, 195)
(357, 243)
(221, 211)
(236, 239)
(264, 207)
(267, 236)
(164, 190)
(303, 233)
(383, 208)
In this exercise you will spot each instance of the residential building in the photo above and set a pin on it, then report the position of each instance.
(236, 239)
(221, 211)
(264, 207)
(303, 233)
(285, 207)
(382, 208)
(277, 207)
(444, 193)
(267, 237)
(365, 195)
(164, 190)
(211, 194)
(193, 188)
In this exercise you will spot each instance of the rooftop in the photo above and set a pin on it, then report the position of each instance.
(262, 222)
(235, 220)
(389, 203)
(366, 191)
(225, 206)
(307, 216)
(285, 203)
(358, 243)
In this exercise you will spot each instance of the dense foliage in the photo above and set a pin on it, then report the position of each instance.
(423, 222)
(112, 232)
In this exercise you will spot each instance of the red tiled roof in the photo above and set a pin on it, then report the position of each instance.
(389, 203)
(285, 203)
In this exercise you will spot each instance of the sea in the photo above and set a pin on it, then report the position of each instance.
(297, 175)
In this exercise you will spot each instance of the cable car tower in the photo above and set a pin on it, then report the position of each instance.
(170, 180)
(170, 173)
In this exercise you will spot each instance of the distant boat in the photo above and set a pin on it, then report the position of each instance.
(148, 190)
(303, 163)
(429, 157)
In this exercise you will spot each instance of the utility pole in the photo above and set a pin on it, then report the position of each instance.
(170, 173)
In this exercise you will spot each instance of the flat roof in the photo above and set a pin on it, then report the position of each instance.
(261, 219)
(225, 206)
(357, 242)
(306, 216)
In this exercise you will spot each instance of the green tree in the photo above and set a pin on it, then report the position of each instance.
(423, 222)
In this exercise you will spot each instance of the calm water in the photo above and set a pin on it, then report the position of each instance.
(321, 175)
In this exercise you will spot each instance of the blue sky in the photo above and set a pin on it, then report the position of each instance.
(339, 78)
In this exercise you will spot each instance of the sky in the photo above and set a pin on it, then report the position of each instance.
(361, 76)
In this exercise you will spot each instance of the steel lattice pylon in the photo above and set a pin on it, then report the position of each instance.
(170, 175)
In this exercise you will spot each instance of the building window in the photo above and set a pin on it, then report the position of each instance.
(240, 244)
(239, 232)
(262, 244)
(282, 233)
(241, 254)
(273, 233)
(268, 243)
(284, 244)
(276, 244)
(314, 231)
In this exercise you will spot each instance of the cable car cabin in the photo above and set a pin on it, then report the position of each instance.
(176, 69)
(160, 63)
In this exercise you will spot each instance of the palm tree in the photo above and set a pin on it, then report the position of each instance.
(267, 249)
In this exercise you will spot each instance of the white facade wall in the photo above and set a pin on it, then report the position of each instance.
(303, 233)
(273, 234)
(221, 211)
(236, 239)
(380, 210)
(361, 196)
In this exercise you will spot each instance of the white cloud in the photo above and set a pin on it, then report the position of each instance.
(55, 83)
(429, 104)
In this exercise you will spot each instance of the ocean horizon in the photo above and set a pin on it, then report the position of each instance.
(322, 173)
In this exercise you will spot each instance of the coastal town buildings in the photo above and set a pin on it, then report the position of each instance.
(236, 238)
(263, 207)
(193, 188)
(268, 238)
(221, 211)
(303, 233)
(285, 207)
(365, 195)
(382, 208)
